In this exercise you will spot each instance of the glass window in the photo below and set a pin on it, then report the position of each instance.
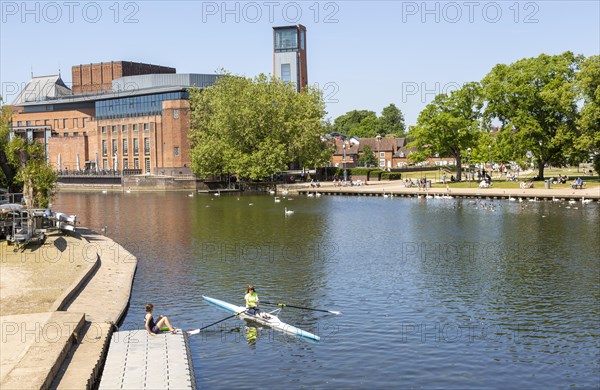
(175, 114)
(146, 127)
(64, 123)
(125, 147)
(103, 129)
(176, 150)
(114, 129)
(146, 146)
(286, 39)
(147, 165)
(82, 122)
(136, 146)
(105, 164)
(124, 128)
(135, 127)
(75, 123)
(104, 148)
(136, 163)
(125, 163)
(302, 39)
(286, 73)
(75, 134)
(65, 134)
(114, 146)
(20, 123)
(28, 123)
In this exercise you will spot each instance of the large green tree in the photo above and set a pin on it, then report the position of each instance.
(449, 125)
(392, 121)
(534, 99)
(588, 83)
(366, 124)
(255, 127)
(350, 123)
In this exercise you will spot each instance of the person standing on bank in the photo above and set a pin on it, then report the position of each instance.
(155, 327)
(252, 301)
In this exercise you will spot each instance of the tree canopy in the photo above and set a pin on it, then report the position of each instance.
(366, 124)
(255, 127)
(535, 100)
(448, 125)
(367, 157)
(23, 166)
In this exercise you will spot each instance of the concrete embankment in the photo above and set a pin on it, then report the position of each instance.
(61, 339)
(394, 188)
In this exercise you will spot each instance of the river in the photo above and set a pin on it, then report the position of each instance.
(434, 293)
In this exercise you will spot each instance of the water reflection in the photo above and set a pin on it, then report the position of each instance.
(434, 293)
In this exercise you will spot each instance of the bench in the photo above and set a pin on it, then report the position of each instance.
(578, 186)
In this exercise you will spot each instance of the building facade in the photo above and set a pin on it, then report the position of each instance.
(289, 55)
(139, 125)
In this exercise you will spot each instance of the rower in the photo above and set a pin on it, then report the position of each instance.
(252, 301)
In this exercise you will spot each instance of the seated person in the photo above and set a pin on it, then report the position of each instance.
(452, 178)
(530, 184)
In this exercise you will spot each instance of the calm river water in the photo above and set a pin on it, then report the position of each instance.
(434, 293)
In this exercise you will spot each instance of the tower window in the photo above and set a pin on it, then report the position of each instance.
(286, 73)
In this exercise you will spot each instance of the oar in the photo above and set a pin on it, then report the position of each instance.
(196, 331)
(303, 308)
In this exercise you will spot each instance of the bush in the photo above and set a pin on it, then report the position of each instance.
(391, 176)
(596, 164)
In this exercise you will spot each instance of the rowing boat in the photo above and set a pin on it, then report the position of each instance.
(273, 321)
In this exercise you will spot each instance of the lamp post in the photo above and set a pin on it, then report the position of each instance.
(379, 150)
(469, 166)
(344, 161)
(490, 159)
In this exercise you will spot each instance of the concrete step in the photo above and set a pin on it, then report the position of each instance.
(83, 365)
(47, 344)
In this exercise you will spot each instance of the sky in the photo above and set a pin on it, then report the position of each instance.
(363, 55)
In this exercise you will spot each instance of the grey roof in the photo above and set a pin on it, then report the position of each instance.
(138, 85)
(187, 80)
(42, 88)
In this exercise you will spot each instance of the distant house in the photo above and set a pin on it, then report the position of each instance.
(390, 152)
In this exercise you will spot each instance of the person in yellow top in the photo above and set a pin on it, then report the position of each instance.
(252, 301)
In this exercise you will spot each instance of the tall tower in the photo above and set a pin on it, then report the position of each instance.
(289, 55)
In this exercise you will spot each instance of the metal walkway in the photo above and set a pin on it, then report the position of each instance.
(137, 360)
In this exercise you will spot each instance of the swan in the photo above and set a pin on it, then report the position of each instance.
(310, 195)
(104, 192)
(288, 212)
(277, 200)
(512, 199)
(317, 194)
(191, 195)
(572, 201)
(217, 194)
(585, 201)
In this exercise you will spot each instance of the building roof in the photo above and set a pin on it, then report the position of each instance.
(42, 88)
(130, 86)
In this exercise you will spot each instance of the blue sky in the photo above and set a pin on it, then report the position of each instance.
(364, 55)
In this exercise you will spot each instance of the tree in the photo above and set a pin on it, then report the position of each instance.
(350, 122)
(588, 85)
(535, 101)
(367, 157)
(255, 127)
(23, 166)
(448, 125)
(392, 121)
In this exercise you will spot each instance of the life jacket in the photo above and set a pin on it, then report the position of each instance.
(252, 299)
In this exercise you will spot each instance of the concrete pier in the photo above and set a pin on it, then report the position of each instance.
(138, 360)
